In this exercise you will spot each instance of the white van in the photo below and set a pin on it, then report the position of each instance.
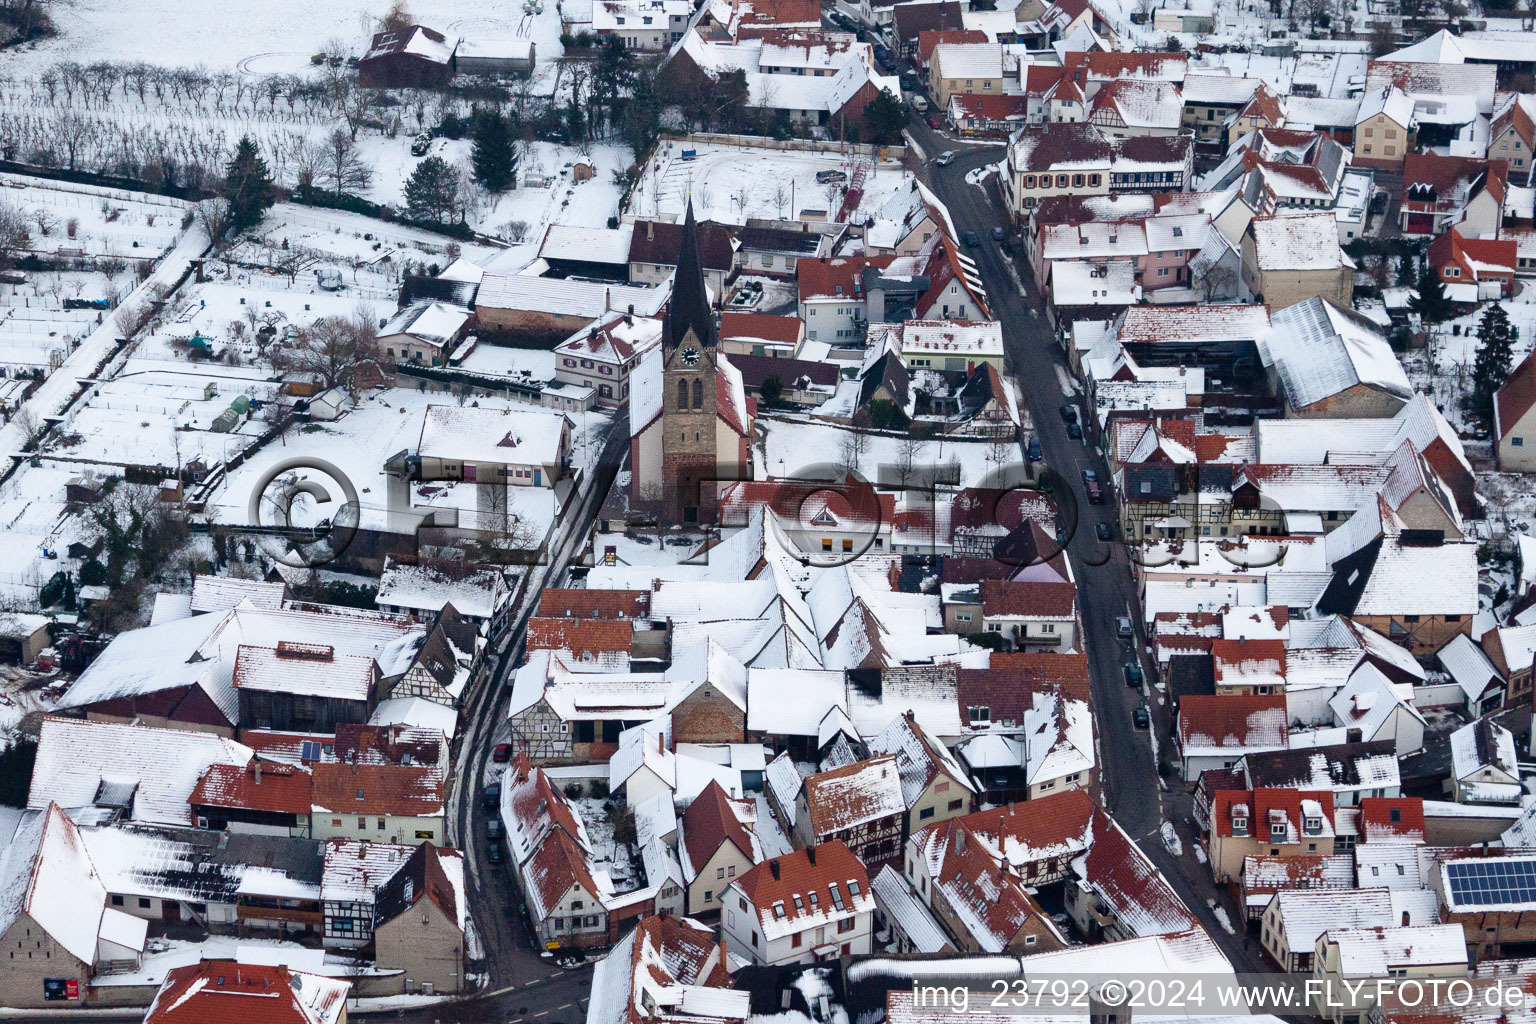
(920, 104)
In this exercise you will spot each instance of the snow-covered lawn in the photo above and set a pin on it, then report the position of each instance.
(732, 183)
(107, 222)
(607, 852)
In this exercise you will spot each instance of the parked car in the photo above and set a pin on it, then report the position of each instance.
(1032, 450)
(1089, 476)
(830, 177)
(1069, 413)
(501, 753)
(971, 239)
(493, 853)
(1124, 627)
(920, 104)
(946, 158)
(491, 798)
(936, 122)
(1103, 531)
(1133, 676)
(1075, 430)
(493, 829)
(998, 234)
(1095, 492)
(1140, 718)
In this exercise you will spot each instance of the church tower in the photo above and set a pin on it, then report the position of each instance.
(690, 379)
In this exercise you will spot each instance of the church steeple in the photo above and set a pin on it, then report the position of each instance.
(689, 308)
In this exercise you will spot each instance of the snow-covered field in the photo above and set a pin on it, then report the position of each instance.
(274, 37)
(732, 183)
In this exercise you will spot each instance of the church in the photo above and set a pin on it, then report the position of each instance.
(690, 418)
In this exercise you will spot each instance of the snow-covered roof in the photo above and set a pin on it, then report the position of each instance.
(432, 322)
(587, 245)
(47, 875)
(1320, 350)
(354, 869)
(567, 296)
(221, 593)
(1306, 914)
(1483, 744)
(1298, 240)
(491, 436)
(1374, 952)
(153, 770)
(312, 670)
(1468, 666)
(969, 60)
(897, 901)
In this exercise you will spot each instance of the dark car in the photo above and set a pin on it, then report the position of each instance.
(1089, 476)
(1133, 676)
(491, 799)
(1103, 531)
(493, 853)
(501, 753)
(1032, 450)
(1140, 718)
(1095, 492)
(1069, 413)
(971, 238)
(998, 234)
(1075, 430)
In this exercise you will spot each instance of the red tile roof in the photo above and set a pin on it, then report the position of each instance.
(852, 504)
(927, 40)
(1517, 395)
(586, 638)
(390, 789)
(585, 603)
(783, 329)
(1241, 661)
(1259, 720)
(555, 867)
(854, 794)
(1037, 600)
(989, 107)
(235, 993)
(1026, 672)
(1260, 802)
(839, 276)
(709, 821)
(1377, 824)
(257, 786)
(780, 880)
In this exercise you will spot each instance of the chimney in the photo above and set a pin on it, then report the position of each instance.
(650, 231)
(810, 855)
(1353, 736)
(959, 840)
(257, 770)
(773, 866)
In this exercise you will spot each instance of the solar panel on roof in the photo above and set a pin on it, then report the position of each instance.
(1494, 882)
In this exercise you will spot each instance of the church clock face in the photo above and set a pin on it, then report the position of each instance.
(690, 356)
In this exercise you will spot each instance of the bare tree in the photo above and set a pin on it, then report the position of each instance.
(780, 197)
(214, 217)
(15, 234)
(28, 425)
(855, 445)
(335, 351)
(341, 168)
(906, 459)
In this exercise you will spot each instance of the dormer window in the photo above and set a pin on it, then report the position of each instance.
(1239, 826)
(1276, 831)
(778, 909)
(1313, 826)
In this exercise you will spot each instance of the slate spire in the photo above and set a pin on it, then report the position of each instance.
(689, 307)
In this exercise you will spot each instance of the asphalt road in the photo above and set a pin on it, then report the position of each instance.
(522, 984)
(1128, 778)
